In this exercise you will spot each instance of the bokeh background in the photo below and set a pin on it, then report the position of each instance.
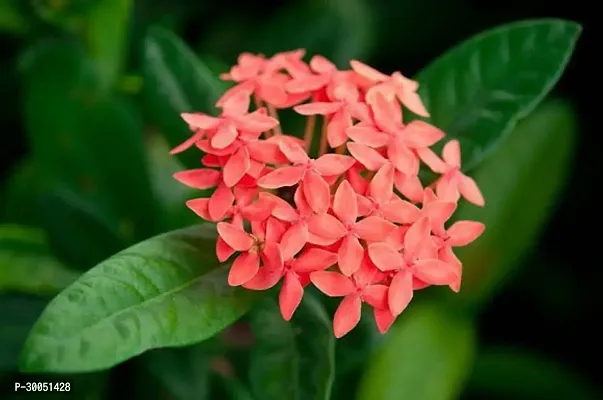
(550, 305)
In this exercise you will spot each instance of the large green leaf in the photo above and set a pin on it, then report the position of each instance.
(521, 183)
(176, 81)
(509, 373)
(26, 264)
(292, 360)
(478, 91)
(87, 140)
(164, 292)
(427, 355)
(340, 30)
(108, 46)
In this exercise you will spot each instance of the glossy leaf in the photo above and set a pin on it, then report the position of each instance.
(83, 139)
(521, 183)
(176, 81)
(292, 360)
(509, 373)
(426, 355)
(164, 292)
(27, 265)
(183, 372)
(107, 45)
(18, 313)
(340, 30)
(78, 231)
(478, 91)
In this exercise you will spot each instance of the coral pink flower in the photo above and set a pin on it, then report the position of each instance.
(224, 130)
(453, 183)
(344, 226)
(363, 286)
(411, 262)
(395, 85)
(262, 243)
(345, 106)
(309, 172)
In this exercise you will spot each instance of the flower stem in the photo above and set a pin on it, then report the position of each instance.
(309, 132)
(274, 114)
(323, 137)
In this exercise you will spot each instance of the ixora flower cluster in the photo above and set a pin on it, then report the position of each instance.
(348, 221)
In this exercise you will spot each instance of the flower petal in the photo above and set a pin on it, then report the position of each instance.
(381, 188)
(337, 127)
(199, 207)
(333, 284)
(220, 202)
(385, 257)
(326, 226)
(235, 237)
(314, 259)
(293, 151)
(294, 240)
(434, 271)
(281, 177)
(373, 228)
(316, 192)
(333, 164)
(243, 269)
(451, 153)
(464, 232)
(368, 157)
(375, 295)
(259, 210)
(400, 211)
(236, 167)
(403, 158)
(223, 250)
(290, 295)
(347, 315)
(224, 136)
(350, 255)
(420, 134)
(400, 292)
(470, 191)
(318, 108)
(384, 319)
(201, 178)
(417, 236)
(345, 203)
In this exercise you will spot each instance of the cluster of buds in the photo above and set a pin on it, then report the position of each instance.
(356, 221)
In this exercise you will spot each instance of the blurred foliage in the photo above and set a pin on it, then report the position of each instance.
(100, 87)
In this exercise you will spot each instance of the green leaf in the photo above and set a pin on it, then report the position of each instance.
(478, 91)
(183, 372)
(87, 140)
(65, 14)
(292, 360)
(233, 388)
(176, 81)
(18, 313)
(163, 292)
(78, 231)
(108, 45)
(27, 265)
(340, 30)
(427, 355)
(516, 374)
(521, 183)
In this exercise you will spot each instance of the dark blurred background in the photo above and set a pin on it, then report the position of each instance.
(553, 305)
